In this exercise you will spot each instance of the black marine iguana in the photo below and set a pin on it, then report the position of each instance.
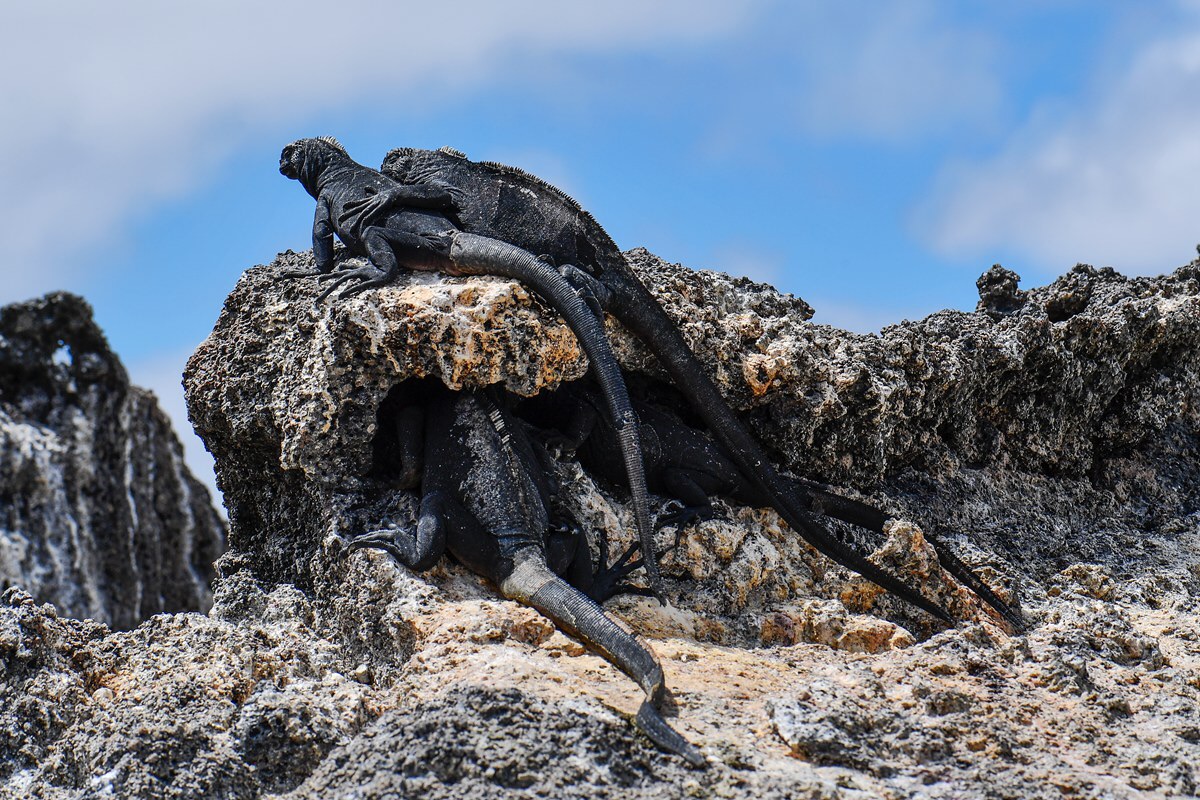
(685, 463)
(396, 226)
(484, 498)
(509, 204)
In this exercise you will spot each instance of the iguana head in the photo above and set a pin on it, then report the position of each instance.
(398, 162)
(412, 165)
(304, 159)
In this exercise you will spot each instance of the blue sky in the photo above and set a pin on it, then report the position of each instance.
(873, 158)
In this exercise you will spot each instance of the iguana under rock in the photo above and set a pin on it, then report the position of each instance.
(397, 226)
(509, 204)
(485, 499)
(684, 463)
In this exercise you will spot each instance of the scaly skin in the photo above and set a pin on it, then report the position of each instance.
(485, 499)
(507, 203)
(397, 227)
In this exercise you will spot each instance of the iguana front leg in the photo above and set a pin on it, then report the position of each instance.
(388, 250)
(322, 238)
(410, 436)
(367, 211)
(597, 296)
(372, 207)
(420, 549)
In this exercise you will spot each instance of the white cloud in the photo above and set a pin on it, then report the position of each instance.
(859, 71)
(893, 71)
(1110, 182)
(111, 107)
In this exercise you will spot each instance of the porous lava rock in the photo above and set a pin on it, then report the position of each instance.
(1051, 442)
(99, 515)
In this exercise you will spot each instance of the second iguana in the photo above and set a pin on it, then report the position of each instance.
(485, 499)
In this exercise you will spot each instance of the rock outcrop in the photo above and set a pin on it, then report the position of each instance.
(98, 513)
(1050, 438)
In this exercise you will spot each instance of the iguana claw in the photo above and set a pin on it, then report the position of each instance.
(608, 581)
(382, 539)
(367, 277)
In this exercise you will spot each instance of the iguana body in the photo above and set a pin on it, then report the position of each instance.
(402, 227)
(509, 204)
(485, 499)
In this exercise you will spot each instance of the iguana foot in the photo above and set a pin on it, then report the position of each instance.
(367, 276)
(385, 540)
(350, 291)
(609, 581)
(683, 516)
(592, 292)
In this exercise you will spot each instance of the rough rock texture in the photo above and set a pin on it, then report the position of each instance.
(98, 513)
(1050, 438)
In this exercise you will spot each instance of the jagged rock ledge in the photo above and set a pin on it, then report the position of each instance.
(98, 513)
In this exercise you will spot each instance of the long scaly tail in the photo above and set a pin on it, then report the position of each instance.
(532, 583)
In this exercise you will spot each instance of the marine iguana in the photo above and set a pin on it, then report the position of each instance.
(395, 226)
(485, 499)
(509, 204)
(686, 464)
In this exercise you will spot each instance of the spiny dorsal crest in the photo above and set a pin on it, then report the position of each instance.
(450, 151)
(498, 423)
(332, 142)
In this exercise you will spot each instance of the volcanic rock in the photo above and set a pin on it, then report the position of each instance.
(1050, 439)
(98, 513)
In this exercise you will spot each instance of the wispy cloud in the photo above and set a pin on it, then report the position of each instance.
(860, 71)
(111, 107)
(892, 71)
(1110, 181)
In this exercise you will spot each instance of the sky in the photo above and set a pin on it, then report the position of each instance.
(873, 158)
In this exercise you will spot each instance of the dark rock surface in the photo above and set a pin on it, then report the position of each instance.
(1050, 438)
(98, 513)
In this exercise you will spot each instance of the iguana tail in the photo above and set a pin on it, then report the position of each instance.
(823, 501)
(635, 307)
(966, 576)
(474, 254)
(532, 583)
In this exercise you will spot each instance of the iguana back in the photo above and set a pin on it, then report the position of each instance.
(514, 206)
